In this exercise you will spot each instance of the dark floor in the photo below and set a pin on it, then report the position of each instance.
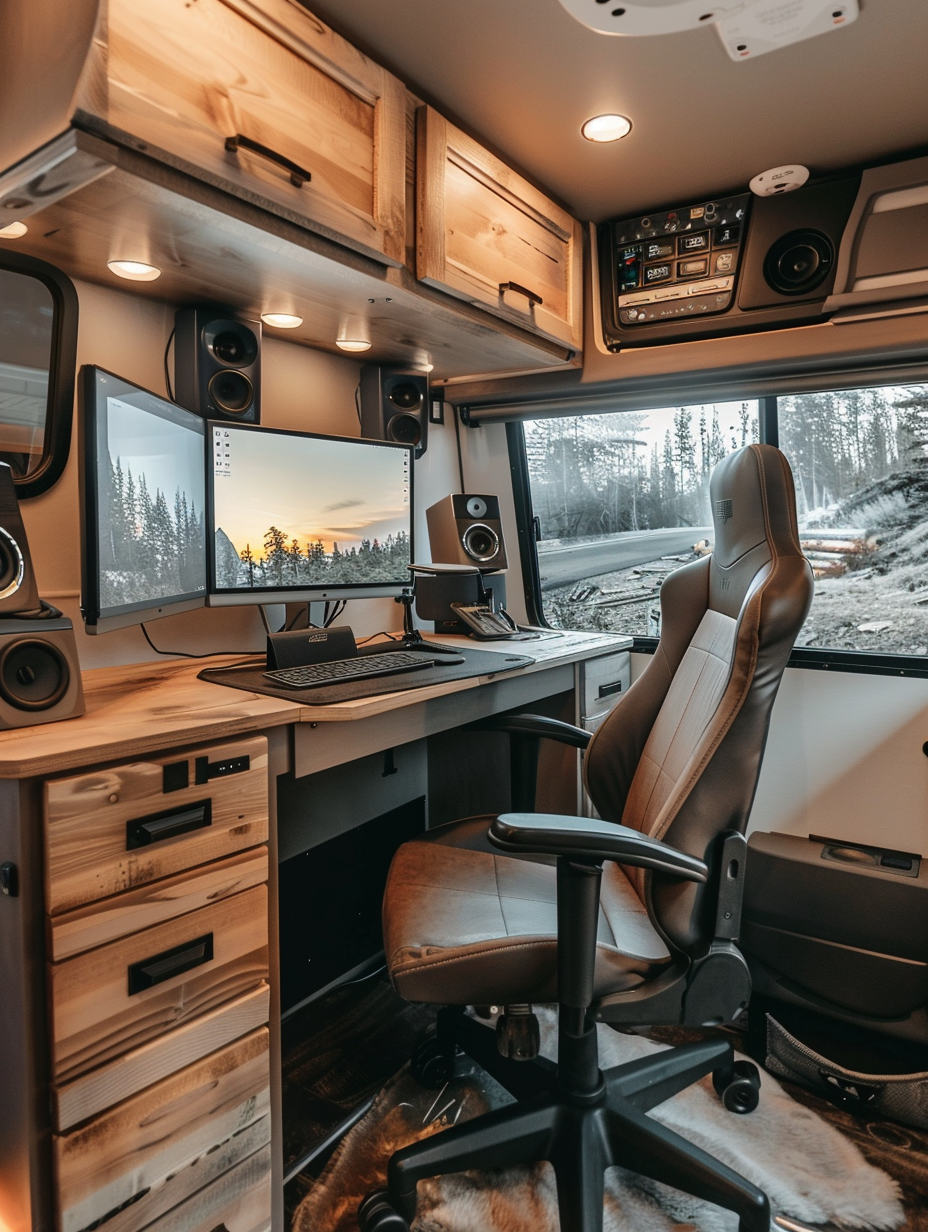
(341, 1049)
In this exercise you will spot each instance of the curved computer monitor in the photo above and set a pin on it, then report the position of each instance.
(294, 516)
(143, 489)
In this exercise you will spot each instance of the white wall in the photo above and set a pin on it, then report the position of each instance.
(301, 389)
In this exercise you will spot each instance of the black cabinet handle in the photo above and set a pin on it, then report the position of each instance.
(298, 175)
(161, 967)
(520, 290)
(158, 826)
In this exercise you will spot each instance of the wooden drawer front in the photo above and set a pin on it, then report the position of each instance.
(92, 821)
(239, 1201)
(153, 1151)
(94, 1015)
(481, 228)
(137, 1069)
(183, 78)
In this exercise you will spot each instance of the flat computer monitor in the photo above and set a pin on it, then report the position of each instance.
(143, 479)
(296, 516)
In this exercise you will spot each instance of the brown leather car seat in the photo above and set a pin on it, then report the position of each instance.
(472, 917)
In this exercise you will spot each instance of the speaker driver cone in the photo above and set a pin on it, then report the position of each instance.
(404, 429)
(12, 565)
(480, 542)
(406, 395)
(231, 391)
(799, 262)
(34, 674)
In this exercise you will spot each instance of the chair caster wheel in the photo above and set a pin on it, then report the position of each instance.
(738, 1086)
(375, 1214)
(430, 1064)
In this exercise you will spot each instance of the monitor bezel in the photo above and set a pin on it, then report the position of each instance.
(302, 594)
(96, 619)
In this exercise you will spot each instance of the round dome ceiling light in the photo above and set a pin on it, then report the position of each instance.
(282, 320)
(604, 128)
(353, 344)
(135, 271)
(13, 231)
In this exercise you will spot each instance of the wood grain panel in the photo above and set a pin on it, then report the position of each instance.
(100, 923)
(93, 1016)
(105, 1086)
(239, 1201)
(86, 818)
(144, 1141)
(183, 77)
(480, 225)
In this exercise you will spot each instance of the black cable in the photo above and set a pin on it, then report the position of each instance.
(383, 633)
(457, 436)
(185, 654)
(357, 401)
(337, 610)
(167, 376)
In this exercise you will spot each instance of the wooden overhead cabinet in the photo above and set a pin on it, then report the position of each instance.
(487, 236)
(261, 99)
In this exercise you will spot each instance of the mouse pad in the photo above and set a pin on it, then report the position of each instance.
(476, 663)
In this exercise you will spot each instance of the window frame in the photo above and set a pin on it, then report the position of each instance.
(810, 658)
(62, 371)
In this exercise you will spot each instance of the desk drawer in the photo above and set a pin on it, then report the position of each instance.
(239, 1201)
(113, 999)
(133, 1164)
(111, 830)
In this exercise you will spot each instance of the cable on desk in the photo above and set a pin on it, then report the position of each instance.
(383, 633)
(185, 654)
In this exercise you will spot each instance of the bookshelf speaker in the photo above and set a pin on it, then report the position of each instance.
(217, 364)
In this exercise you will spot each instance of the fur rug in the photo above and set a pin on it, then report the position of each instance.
(809, 1171)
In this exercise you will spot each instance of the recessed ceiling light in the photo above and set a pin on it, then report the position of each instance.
(13, 231)
(282, 320)
(353, 344)
(606, 127)
(135, 271)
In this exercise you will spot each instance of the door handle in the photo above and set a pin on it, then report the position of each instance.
(167, 964)
(298, 175)
(520, 290)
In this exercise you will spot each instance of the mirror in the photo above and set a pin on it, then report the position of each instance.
(38, 351)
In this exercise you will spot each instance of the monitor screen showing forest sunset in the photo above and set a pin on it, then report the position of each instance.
(298, 516)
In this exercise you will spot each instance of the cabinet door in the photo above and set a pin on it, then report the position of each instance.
(488, 236)
(263, 100)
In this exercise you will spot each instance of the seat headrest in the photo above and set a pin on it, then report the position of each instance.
(753, 500)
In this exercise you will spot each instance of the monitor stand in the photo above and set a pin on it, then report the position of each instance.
(412, 638)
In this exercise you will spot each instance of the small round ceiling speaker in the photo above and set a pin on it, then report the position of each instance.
(644, 17)
(779, 180)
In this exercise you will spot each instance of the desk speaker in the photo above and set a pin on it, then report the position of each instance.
(40, 678)
(217, 364)
(395, 405)
(465, 529)
(18, 592)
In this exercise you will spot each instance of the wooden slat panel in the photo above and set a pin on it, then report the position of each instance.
(239, 1201)
(479, 225)
(182, 77)
(153, 1136)
(100, 923)
(127, 1075)
(93, 1017)
(86, 816)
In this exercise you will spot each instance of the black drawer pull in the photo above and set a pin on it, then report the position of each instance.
(298, 175)
(520, 290)
(161, 967)
(158, 826)
(607, 690)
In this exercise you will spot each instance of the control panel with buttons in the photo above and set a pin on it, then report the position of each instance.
(678, 263)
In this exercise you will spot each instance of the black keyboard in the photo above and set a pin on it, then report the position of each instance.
(362, 668)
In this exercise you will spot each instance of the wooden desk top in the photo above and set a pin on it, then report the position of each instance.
(148, 707)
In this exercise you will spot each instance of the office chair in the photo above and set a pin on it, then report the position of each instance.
(630, 919)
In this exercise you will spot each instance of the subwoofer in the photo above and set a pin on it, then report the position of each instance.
(18, 592)
(217, 364)
(40, 678)
(395, 405)
(465, 529)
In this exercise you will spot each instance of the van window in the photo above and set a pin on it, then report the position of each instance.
(622, 499)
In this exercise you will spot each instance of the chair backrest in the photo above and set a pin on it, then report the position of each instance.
(680, 756)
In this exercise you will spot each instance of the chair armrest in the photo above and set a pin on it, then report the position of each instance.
(585, 837)
(535, 725)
